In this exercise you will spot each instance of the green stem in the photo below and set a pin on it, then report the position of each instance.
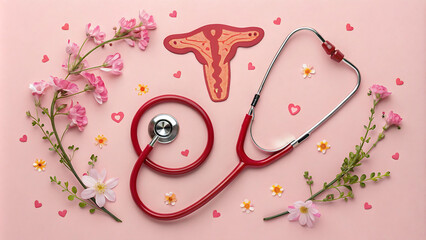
(79, 71)
(52, 121)
(93, 49)
(65, 96)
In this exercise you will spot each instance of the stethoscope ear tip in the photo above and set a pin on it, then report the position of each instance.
(164, 128)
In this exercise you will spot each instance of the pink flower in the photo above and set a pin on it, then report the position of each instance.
(304, 212)
(127, 24)
(393, 119)
(64, 85)
(379, 91)
(72, 48)
(96, 187)
(96, 34)
(113, 64)
(143, 40)
(38, 88)
(100, 92)
(77, 114)
(147, 20)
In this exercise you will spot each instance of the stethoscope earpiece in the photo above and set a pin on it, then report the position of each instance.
(163, 128)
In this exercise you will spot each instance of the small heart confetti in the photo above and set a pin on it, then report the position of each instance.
(216, 214)
(37, 204)
(185, 153)
(395, 156)
(45, 59)
(367, 206)
(399, 82)
(277, 21)
(117, 117)
(349, 27)
(173, 14)
(177, 74)
(62, 213)
(66, 26)
(23, 138)
(250, 66)
(293, 109)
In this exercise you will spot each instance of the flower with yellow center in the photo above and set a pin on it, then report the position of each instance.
(101, 141)
(142, 89)
(170, 198)
(247, 206)
(277, 190)
(323, 146)
(303, 212)
(99, 188)
(39, 165)
(307, 70)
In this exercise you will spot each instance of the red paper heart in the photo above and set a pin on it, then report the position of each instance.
(277, 21)
(399, 82)
(293, 109)
(45, 58)
(23, 138)
(37, 204)
(117, 117)
(66, 26)
(62, 213)
(349, 27)
(250, 66)
(173, 14)
(216, 214)
(395, 156)
(367, 206)
(185, 153)
(177, 74)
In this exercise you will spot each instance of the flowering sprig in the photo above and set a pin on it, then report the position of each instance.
(76, 66)
(344, 181)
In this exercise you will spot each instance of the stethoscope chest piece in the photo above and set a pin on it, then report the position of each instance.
(164, 127)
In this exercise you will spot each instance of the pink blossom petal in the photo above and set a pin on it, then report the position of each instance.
(88, 181)
(88, 193)
(94, 174)
(100, 199)
(310, 222)
(111, 183)
(110, 195)
(102, 176)
(293, 216)
(303, 219)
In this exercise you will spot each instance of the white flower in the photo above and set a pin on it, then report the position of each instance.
(307, 70)
(304, 212)
(96, 187)
(247, 206)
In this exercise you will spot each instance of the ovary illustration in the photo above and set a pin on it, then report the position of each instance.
(214, 46)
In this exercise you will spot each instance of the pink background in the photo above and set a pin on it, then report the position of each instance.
(388, 41)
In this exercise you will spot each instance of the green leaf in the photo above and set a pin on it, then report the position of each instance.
(348, 187)
(373, 127)
(71, 197)
(44, 137)
(34, 123)
(372, 174)
(71, 147)
(365, 127)
(354, 179)
(82, 204)
(92, 210)
(59, 182)
(363, 177)
(66, 184)
(362, 184)
(341, 194)
(74, 189)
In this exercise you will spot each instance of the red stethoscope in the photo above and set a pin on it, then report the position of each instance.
(163, 128)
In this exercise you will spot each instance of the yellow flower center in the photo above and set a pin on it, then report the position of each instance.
(247, 205)
(307, 71)
(303, 209)
(100, 187)
(323, 146)
(142, 88)
(277, 190)
(101, 141)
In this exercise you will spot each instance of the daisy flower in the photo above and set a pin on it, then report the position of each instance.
(323, 146)
(96, 187)
(277, 190)
(142, 89)
(101, 141)
(304, 212)
(307, 70)
(247, 206)
(170, 198)
(39, 165)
